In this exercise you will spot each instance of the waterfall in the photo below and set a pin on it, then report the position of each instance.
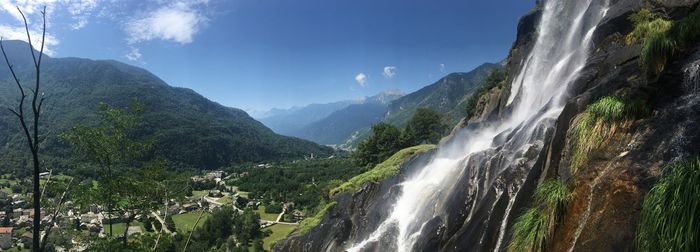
(691, 77)
(478, 157)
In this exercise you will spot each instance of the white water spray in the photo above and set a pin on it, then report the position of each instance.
(537, 97)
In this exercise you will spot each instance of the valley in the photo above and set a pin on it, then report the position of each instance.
(355, 136)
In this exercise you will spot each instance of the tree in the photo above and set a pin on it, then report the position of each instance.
(30, 126)
(384, 142)
(109, 145)
(424, 127)
(170, 223)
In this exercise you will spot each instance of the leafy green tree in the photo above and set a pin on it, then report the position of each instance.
(112, 147)
(384, 142)
(170, 223)
(425, 126)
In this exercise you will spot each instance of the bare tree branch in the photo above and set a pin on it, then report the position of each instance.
(54, 216)
(29, 37)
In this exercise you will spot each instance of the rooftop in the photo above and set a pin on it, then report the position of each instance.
(5, 230)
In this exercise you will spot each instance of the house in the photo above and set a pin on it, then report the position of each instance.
(214, 175)
(26, 238)
(189, 207)
(215, 193)
(24, 221)
(5, 237)
(16, 213)
(89, 218)
(289, 206)
(298, 215)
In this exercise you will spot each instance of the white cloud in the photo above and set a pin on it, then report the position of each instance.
(442, 68)
(78, 10)
(361, 79)
(389, 72)
(18, 33)
(178, 21)
(134, 54)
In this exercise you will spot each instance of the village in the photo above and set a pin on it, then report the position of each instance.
(179, 215)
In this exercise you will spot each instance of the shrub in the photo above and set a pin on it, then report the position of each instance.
(309, 223)
(494, 79)
(532, 230)
(599, 123)
(661, 38)
(670, 218)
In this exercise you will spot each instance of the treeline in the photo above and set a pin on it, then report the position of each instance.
(303, 182)
(425, 127)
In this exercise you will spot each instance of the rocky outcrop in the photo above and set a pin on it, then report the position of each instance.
(608, 191)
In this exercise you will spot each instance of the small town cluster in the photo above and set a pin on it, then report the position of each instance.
(17, 215)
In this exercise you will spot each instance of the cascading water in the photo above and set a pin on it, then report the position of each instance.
(481, 156)
(691, 78)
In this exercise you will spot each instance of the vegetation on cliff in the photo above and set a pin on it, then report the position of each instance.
(494, 79)
(383, 170)
(598, 124)
(662, 38)
(669, 219)
(534, 227)
(425, 127)
(309, 223)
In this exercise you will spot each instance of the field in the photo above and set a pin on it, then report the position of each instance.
(199, 194)
(118, 228)
(279, 232)
(226, 200)
(266, 216)
(185, 222)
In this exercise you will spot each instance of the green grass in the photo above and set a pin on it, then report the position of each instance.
(185, 222)
(279, 232)
(598, 124)
(311, 222)
(266, 216)
(199, 194)
(670, 218)
(661, 38)
(118, 228)
(226, 201)
(383, 170)
(533, 229)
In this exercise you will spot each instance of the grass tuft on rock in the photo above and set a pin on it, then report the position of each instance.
(533, 229)
(662, 38)
(383, 170)
(599, 123)
(311, 222)
(670, 218)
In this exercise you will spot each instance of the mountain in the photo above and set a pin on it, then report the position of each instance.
(338, 126)
(447, 96)
(287, 121)
(188, 129)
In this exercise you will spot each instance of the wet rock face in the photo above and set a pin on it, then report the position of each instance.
(676, 3)
(355, 213)
(603, 214)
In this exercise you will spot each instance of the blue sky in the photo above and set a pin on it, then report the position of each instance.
(259, 54)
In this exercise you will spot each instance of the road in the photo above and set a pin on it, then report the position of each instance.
(162, 222)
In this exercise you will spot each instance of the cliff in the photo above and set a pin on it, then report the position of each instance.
(608, 185)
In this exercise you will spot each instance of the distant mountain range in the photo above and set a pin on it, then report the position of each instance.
(330, 123)
(345, 123)
(189, 130)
